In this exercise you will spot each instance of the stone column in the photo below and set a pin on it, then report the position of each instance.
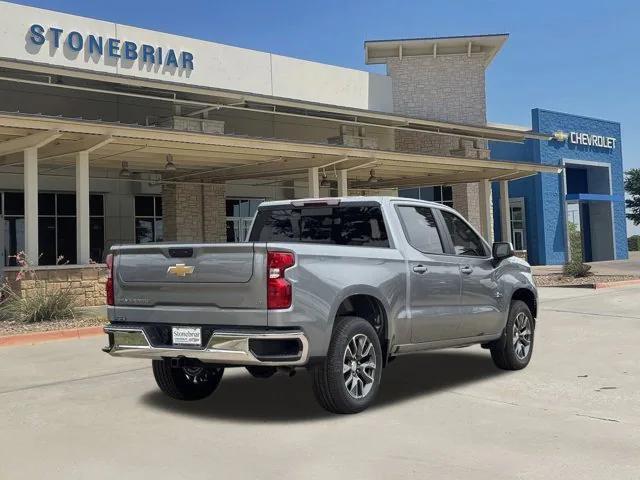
(215, 213)
(194, 213)
(448, 88)
(182, 212)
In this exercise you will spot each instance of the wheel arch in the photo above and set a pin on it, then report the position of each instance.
(527, 296)
(370, 307)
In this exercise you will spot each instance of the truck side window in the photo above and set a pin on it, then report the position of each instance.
(421, 229)
(465, 240)
(360, 225)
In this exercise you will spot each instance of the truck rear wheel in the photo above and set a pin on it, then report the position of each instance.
(513, 350)
(186, 383)
(348, 379)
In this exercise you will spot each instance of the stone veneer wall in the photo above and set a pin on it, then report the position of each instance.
(85, 283)
(215, 213)
(194, 213)
(449, 88)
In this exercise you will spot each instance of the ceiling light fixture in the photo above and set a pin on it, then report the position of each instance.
(170, 166)
(125, 172)
(325, 181)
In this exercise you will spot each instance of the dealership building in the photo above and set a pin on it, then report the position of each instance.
(114, 134)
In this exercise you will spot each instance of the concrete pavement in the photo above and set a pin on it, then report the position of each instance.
(631, 266)
(69, 411)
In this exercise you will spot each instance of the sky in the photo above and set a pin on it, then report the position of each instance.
(581, 57)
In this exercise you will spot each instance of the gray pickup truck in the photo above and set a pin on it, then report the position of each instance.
(340, 286)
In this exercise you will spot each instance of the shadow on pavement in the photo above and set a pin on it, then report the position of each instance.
(283, 399)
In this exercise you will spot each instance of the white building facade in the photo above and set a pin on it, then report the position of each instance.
(114, 134)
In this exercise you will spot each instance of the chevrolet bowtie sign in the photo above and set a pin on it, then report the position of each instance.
(590, 140)
(586, 139)
(180, 270)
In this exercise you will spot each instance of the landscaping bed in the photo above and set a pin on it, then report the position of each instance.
(558, 280)
(11, 327)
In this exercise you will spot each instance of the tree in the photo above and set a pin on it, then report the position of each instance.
(632, 186)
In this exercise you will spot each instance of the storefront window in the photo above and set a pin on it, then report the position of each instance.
(148, 218)
(56, 227)
(441, 194)
(240, 212)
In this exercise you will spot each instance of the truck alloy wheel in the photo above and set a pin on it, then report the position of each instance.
(359, 366)
(513, 350)
(348, 379)
(521, 336)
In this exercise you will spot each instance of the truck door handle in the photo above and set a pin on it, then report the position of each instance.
(420, 269)
(466, 269)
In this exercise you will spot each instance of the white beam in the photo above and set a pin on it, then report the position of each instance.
(314, 183)
(31, 248)
(35, 140)
(343, 185)
(505, 211)
(82, 208)
(85, 145)
(485, 210)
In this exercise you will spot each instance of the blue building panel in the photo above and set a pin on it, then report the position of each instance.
(591, 144)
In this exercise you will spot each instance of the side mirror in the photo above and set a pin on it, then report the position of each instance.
(501, 250)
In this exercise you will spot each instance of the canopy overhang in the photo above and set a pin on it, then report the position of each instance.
(218, 158)
(196, 100)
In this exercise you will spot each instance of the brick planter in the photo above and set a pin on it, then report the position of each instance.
(86, 282)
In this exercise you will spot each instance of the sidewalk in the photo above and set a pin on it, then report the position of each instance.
(612, 267)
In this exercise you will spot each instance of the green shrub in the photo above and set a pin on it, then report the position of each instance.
(576, 269)
(634, 243)
(38, 305)
(575, 242)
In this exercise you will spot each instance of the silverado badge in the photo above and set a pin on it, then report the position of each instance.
(180, 270)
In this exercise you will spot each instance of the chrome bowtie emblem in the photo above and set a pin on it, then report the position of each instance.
(180, 270)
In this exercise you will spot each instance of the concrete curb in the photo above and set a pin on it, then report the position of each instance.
(40, 337)
(621, 283)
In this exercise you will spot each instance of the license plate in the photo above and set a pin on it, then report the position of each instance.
(187, 336)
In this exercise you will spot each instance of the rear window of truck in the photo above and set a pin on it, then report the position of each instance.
(360, 225)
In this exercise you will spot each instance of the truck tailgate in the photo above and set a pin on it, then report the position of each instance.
(200, 283)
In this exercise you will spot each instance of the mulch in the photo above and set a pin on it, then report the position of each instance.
(9, 327)
(556, 280)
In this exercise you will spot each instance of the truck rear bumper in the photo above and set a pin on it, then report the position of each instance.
(228, 347)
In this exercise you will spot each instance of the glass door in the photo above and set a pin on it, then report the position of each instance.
(518, 229)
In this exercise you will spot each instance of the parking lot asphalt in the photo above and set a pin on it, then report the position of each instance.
(70, 411)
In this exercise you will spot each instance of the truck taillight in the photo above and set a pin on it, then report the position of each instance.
(278, 288)
(109, 284)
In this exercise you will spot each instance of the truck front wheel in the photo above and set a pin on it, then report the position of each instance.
(186, 383)
(513, 350)
(348, 379)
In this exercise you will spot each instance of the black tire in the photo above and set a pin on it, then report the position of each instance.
(186, 383)
(329, 377)
(506, 352)
(259, 371)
